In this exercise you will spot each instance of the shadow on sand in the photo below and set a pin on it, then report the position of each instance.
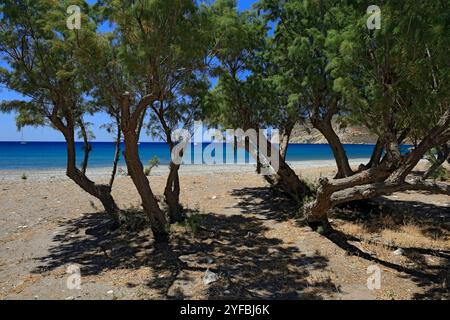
(434, 222)
(250, 265)
(269, 202)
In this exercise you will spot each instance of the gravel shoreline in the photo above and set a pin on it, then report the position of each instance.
(100, 173)
(249, 236)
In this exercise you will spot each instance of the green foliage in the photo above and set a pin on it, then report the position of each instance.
(397, 77)
(193, 222)
(44, 71)
(320, 230)
(313, 186)
(279, 64)
(153, 163)
(391, 79)
(441, 173)
(158, 48)
(38, 50)
(172, 27)
(241, 99)
(133, 219)
(24, 176)
(300, 53)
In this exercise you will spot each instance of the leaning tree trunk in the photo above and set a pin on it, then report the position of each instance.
(99, 191)
(384, 179)
(256, 153)
(325, 127)
(284, 176)
(285, 139)
(150, 204)
(129, 124)
(376, 154)
(316, 212)
(331, 195)
(291, 183)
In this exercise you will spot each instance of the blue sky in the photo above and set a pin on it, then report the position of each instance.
(9, 132)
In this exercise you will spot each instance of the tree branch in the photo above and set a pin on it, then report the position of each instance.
(386, 188)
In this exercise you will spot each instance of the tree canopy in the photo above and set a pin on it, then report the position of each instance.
(278, 64)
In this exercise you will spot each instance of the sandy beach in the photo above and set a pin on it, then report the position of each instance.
(250, 236)
(162, 170)
(253, 151)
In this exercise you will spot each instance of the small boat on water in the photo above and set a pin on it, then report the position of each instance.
(22, 140)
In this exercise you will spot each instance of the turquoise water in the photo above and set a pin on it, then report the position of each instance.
(52, 155)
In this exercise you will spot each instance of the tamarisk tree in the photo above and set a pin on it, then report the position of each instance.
(245, 96)
(394, 81)
(145, 63)
(35, 43)
(300, 51)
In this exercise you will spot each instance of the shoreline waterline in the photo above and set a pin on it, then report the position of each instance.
(187, 169)
(51, 156)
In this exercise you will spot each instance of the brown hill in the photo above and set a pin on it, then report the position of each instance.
(305, 133)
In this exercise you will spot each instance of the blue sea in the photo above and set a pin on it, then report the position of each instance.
(52, 155)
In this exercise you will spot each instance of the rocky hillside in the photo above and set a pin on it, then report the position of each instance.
(305, 133)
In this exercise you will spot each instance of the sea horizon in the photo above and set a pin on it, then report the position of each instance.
(46, 155)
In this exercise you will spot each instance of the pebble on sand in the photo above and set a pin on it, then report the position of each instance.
(210, 277)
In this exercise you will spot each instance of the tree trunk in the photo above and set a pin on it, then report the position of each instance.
(258, 159)
(380, 180)
(325, 127)
(101, 192)
(388, 177)
(172, 195)
(129, 123)
(330, 195)
(316, 212)
(285, 139)
(291, 183)
(437, 136)
(86, 146)
(172, 189)
(376, 154)
(150, 204)
(284, 177)
(116, 154)
(141, 124)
